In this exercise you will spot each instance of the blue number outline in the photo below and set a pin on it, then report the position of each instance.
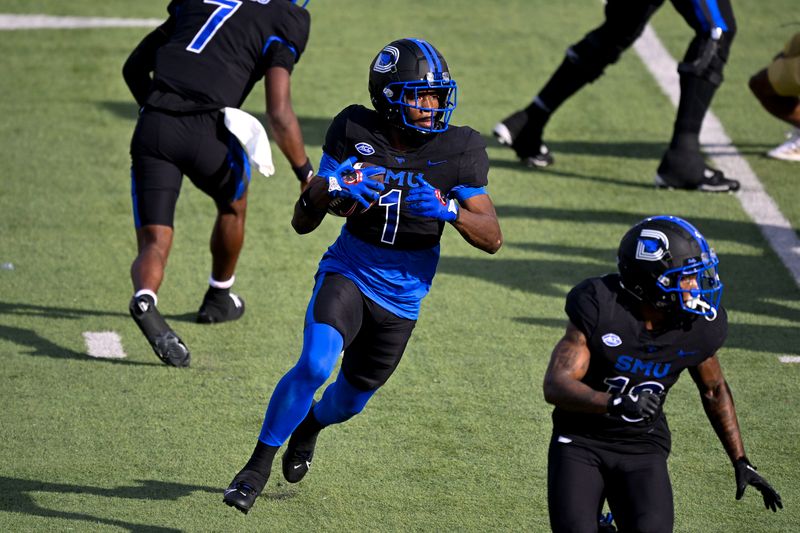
(214, 23)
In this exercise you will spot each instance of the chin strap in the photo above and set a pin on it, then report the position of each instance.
(704, 306)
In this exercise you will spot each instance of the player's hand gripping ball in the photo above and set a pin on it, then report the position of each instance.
(354, 187)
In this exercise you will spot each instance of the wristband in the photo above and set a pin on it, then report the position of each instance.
(304, 171)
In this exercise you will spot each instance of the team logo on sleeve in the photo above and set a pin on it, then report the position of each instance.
(652, 245)
(611, 339)
(365, 149)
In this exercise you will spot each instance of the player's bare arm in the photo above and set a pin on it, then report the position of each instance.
(283, 123)
(562, 380)
(477, 223)
(718, 404)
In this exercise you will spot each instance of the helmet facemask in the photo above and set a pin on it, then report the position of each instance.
(696, 285)
(404, 95)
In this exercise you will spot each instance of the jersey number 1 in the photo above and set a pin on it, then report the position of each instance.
(215, 21)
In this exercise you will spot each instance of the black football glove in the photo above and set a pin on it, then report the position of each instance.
(746, 475)
(647, 405)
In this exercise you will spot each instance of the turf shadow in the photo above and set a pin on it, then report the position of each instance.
(16, 497)
(49, 311)
(40, 346)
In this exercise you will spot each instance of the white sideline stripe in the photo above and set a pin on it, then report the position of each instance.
(104, 344)
(789, 359)
(761, 208)
(40, 22)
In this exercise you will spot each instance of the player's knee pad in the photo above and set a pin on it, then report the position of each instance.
(706, 56)
(596, 51)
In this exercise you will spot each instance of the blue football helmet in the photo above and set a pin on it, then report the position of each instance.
(666, 262)
(402, 70)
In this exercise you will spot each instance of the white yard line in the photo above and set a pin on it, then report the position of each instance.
(41, 22)
(104, 344)
(761, 208)
(789, 358)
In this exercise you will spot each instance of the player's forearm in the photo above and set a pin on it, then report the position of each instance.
(286, 132)
(719, 407)
(572, 395)
(310, 208)
(480, 230)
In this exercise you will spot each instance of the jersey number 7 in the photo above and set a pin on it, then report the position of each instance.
(215, 21)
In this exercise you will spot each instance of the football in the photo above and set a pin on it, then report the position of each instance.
(345, 207)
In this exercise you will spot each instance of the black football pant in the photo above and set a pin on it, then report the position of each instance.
(581, 475)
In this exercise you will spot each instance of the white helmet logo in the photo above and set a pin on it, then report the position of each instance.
(387, 59)
(652, 245)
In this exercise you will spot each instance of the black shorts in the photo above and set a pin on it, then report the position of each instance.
(374, 338)
(582, 473)
(167, 146)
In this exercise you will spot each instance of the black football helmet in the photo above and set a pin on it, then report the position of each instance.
(655, 257)
(402, 69)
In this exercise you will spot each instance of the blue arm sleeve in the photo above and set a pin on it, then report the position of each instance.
(463, 192)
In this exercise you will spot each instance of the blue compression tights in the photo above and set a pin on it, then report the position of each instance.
(294, 393)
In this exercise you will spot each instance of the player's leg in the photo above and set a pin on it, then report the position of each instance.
(785, 108)
(221, 169)
(640, 493)
(584, 62)
(683, 166)
(777, 87)
(155, 185)
(332, 319)
(340, 402)
(368, 363)
(574, 486)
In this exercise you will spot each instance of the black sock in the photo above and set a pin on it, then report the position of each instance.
(257, 470)
(696, 95)
(309, 426)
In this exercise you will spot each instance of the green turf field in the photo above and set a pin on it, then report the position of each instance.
(457, 440)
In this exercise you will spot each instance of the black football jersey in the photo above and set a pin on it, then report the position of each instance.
(453, 158)
(626, 358)
(217, 51)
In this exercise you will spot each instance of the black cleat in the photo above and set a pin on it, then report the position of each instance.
(165, 343)
(525, 138)
(300, 450)
(220, 305)
(241, 495)
(541, 160)
(687, 170)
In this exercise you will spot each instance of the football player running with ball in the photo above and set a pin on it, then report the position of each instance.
(371, 280)
(629, 337)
